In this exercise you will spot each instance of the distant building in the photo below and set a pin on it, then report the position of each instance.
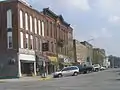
(89, 52)
(98, 56)
(80, 52)
(106, 62)
(114, 61)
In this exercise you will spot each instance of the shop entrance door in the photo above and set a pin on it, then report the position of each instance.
(27, 68)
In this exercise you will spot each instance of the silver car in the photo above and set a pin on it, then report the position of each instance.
(67, 71)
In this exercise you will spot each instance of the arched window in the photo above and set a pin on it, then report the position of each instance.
(21, 19)
(31, 24)
(35, 25)
(26, 21)
(9, 18)
(43, 29)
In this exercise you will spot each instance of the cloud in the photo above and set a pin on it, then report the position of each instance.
(103, 33)
(114, 19)
(80, 4)
(66, 4)
(106, 7)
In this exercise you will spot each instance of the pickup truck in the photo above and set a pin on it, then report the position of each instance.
(85, 69)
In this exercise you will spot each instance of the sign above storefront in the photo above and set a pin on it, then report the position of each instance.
(26, 51)
(53, 59)
(60, 56)
(27, 57)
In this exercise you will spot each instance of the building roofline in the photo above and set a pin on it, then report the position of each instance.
(85, 42)
(55, 16)
(47, 9)
(43, 12)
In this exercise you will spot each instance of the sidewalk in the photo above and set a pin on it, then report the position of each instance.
(26, 79)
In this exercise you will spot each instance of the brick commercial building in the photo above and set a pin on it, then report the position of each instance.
(29, 38)
(62, 35)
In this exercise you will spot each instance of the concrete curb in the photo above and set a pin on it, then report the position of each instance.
(26, 79)
(47, 78)
(2, 81)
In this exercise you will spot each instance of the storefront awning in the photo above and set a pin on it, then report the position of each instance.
(42, 58)
(52, 59)
(67, 63)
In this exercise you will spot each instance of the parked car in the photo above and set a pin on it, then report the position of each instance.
(102, 68)
(84, 69)
(89, 68)
(67, 71)
(115, 66)
(96, 67)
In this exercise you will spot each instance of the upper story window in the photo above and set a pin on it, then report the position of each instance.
(21, 40)
(31, 25)
(39, 27)
(26, 41)
(52, 47)
(55, 45)
(69, 36)
(59, 32)
(47, 25)
(43, 29)
(26, 21)
(40, 46)
(9, 40)
(51, 29)
(64, 35)
(54, 29)
(31, 42)
(9, 18)
(36, 42)
(35, 25)
(21, 19)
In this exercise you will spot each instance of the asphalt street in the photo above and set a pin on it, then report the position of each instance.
(105, 80)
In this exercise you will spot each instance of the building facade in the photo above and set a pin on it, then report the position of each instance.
(99, 56)
(106, 62)
(89, 53)
(114, 61)
(80, 52)
(29, 39)
(62, 35)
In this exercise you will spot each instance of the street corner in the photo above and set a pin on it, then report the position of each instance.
(46, 78)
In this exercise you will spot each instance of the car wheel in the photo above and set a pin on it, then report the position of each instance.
(60, 75)
(75, 74)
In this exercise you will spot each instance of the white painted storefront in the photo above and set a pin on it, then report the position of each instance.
(25, 57)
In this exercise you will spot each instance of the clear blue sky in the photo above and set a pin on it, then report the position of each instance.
(98, 19)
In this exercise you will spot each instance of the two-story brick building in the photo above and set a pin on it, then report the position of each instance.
(28, 38)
